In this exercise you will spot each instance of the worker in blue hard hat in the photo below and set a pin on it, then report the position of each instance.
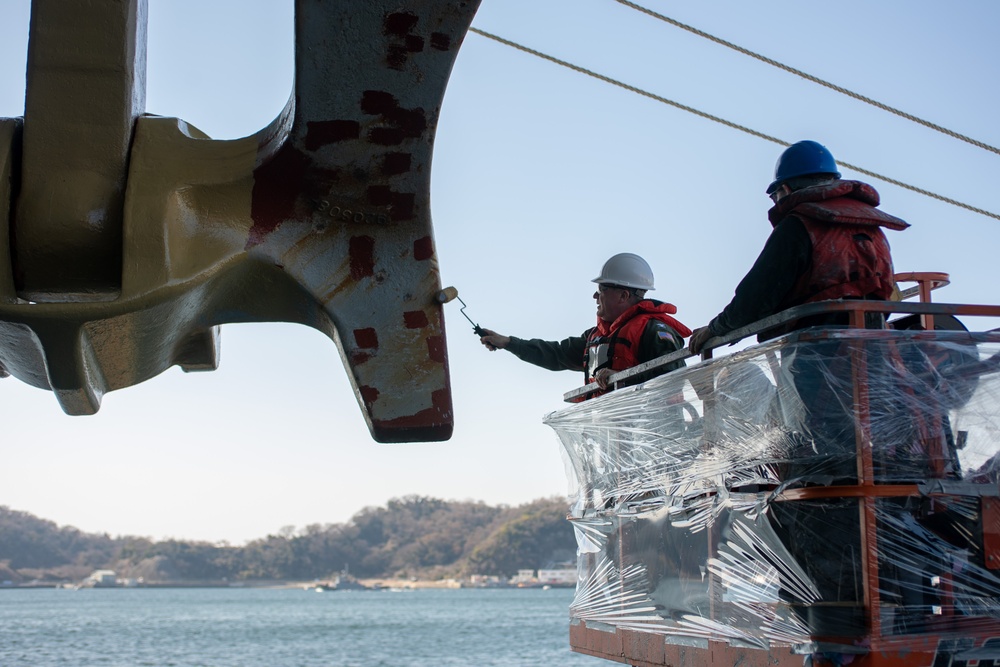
(631, 329)
(826, 243)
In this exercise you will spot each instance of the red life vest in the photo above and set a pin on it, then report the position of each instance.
(850, 254)
(615, 345)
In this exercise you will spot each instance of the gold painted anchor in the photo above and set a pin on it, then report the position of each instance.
(131, 238)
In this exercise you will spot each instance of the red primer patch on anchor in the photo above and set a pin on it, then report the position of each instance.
(414, 43)
(396, 57)
(377, 102)
(396, 163)
(437, 415)
(400, 123)
(379, 195)
(415, 319)
(276, 187)
(399, 23)
(398, 27)
(423, 248)
(440, 41)
(436, 349)
(432, 424)
(362, 254)
(368, 394)
(402, 206)
(322, 132)
(367, 338)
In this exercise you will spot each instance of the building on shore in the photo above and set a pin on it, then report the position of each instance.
(101, 579)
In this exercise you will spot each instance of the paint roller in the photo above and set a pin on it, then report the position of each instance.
(450, 294)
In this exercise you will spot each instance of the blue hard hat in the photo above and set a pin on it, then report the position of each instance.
(803, 158)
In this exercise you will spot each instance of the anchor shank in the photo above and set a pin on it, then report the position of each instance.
(85, 88)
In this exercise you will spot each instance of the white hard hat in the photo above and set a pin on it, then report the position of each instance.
(627, 270)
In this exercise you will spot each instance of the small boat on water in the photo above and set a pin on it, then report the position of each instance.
(342, 582)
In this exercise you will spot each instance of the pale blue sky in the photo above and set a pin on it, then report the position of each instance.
(539, 175)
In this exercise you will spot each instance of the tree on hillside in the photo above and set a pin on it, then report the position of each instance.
(29, 542)
(415, 533)
(539, 535)
(411, 536)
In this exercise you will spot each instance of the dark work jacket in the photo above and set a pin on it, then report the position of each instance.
(659, 334)
(827, 243)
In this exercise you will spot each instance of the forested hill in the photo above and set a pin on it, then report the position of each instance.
(409, 537)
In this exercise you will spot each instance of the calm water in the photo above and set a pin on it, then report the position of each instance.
(286, 628)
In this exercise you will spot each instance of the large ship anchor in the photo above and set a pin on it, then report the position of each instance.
(131, 238)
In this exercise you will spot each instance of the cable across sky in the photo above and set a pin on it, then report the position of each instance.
(814, 79)
(722, 121)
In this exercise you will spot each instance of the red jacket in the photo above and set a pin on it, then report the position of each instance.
(615, 345)
(850, 254)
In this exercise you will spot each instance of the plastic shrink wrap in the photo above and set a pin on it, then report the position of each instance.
(826, 494)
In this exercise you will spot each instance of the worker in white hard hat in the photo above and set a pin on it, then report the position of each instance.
(631, 329)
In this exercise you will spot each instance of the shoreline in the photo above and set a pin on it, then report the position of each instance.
(374, 585)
